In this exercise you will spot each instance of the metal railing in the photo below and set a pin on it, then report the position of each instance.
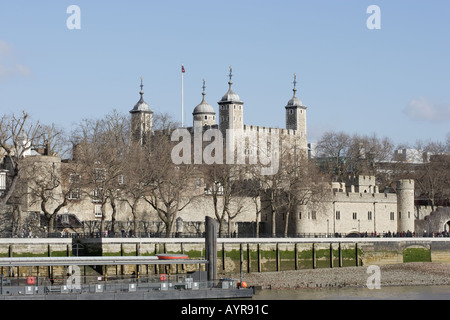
(89, 235)
(116, 284)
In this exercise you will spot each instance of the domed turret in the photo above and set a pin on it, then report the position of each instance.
(295, 101)
(204, 113)
(141, 119)
(296, 113)
(231, 110)
(230, 96)
(141, 105)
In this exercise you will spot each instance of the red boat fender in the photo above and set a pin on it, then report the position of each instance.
(170, 256)
(163, 277)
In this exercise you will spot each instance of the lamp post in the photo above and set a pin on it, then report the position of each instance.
(328, 228)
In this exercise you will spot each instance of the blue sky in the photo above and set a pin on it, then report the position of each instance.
(394, 81)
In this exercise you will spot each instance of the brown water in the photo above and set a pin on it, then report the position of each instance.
(385, 293)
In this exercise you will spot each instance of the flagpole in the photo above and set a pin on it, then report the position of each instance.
(182, 107)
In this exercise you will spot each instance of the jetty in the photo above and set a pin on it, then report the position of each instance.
(192, 285)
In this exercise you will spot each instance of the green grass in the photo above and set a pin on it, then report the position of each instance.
(416, 255)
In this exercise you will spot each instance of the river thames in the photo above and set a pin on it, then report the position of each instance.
(384, 293)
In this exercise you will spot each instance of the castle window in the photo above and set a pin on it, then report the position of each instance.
(97, 195)
(338, 215)
(206, 117)
(409, 214)
(98, 210)
(313, 215)
(291, 111)
(299, 215)
(392, 215)
(355, 216)
(369, 215)
(2, 181)
(74, 194)
(65, 218)
(399, 215)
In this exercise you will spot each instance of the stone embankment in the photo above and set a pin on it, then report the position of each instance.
(406, 274)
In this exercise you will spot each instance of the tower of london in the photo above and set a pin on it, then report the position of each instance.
(354, 206)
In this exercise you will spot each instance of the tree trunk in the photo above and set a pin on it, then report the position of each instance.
(113, 216)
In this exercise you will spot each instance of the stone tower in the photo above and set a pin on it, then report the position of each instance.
(405, 205)
(231, 110)
(204, 113)
(296, 115)
(141, 120)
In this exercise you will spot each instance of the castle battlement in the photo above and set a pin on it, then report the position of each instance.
(364, 197)
(264, 129)
(405, 184)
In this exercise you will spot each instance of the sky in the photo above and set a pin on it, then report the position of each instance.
(393, 81)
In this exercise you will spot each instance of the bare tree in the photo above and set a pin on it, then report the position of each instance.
(49, 186)
(168, 186)
(18, 135)
(433, 176)
(134, 186)
(333, 148)
(100, 148)
(303, 184)
(340, 155)
(225, 185)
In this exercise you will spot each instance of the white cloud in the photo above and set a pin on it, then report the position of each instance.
(422, 109)
(9, 67)
(5, 48)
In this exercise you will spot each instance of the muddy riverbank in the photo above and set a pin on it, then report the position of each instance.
(406, 274)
